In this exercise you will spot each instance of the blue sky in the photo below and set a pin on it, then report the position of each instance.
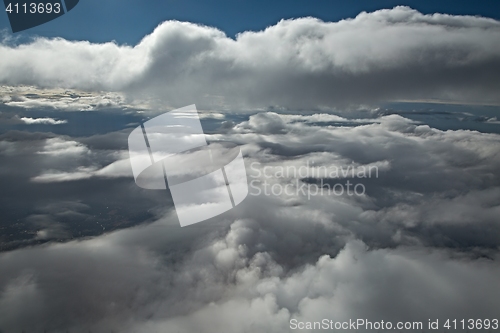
(127, 21)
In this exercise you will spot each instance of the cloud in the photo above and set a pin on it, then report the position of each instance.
(120, 168)
(58, 146)
(493, 120)
(421, 243)
(45, 121)
(397, 54)
(58, 176)
(128, 281)
(426, 186)
(30, 97)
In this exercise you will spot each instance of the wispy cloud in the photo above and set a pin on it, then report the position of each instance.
(44, 121)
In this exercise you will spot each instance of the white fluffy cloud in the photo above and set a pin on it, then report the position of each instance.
(397, 54)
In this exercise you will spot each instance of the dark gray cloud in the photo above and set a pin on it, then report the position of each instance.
(429, 182)
(421, 244)
(219, 284)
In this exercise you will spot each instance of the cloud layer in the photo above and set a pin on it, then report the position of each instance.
(421, 244)
(397, 54)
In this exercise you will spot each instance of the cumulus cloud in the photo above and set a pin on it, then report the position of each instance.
(224, 283)
(397, 54)
(420, 185)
